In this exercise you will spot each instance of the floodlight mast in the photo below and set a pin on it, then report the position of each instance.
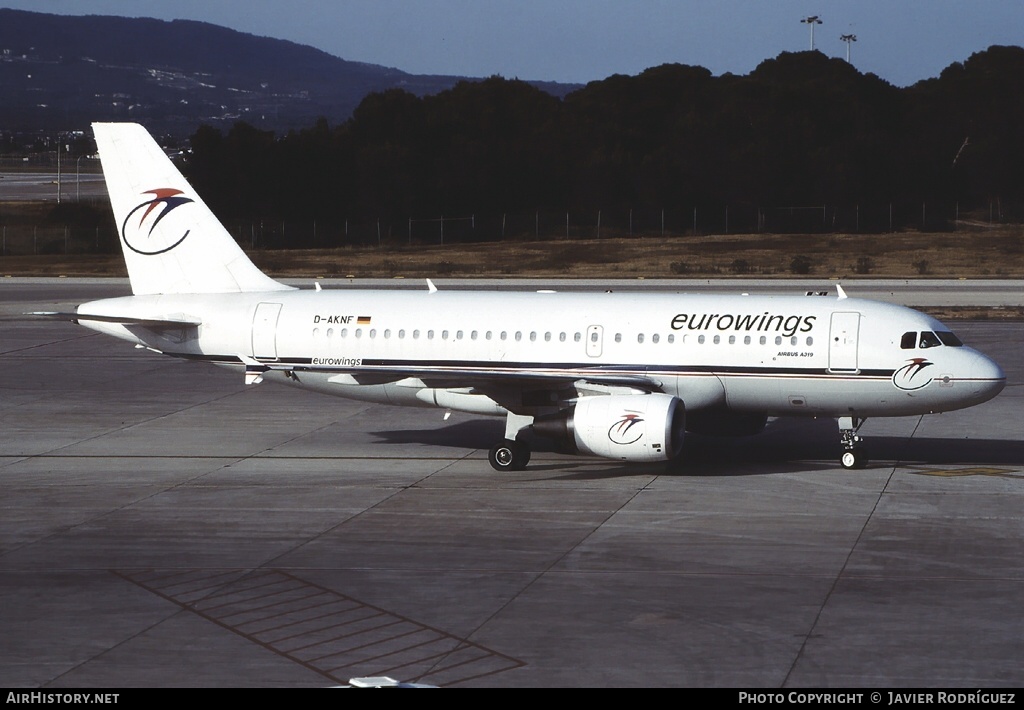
(812, 21)
(848, 39)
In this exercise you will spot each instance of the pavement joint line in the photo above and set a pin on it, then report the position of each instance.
(841, 572)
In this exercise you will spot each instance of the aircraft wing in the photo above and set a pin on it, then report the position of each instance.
(481, 379)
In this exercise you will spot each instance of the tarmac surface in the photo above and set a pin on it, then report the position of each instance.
(40, 186)
(165, 525)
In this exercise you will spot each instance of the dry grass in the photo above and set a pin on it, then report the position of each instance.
(995, 253)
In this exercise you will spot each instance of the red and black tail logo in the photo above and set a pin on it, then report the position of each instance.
(141, 239)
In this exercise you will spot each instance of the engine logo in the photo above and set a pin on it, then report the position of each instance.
(625, 431)
(909, 378)
(142, 241)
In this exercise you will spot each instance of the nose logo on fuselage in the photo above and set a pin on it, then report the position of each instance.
(912, 376)
(625, 431)
(139, 237)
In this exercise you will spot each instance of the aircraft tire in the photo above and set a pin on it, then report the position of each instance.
(509, 456)
(853, 459)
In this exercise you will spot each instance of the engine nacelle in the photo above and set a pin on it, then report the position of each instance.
(633, 427)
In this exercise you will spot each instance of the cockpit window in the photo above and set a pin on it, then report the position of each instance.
(929, 340)
(949, 339)
(909, 340)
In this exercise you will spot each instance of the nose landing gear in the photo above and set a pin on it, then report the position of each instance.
(854, 455)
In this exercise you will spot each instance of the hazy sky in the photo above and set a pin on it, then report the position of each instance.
(584, 40)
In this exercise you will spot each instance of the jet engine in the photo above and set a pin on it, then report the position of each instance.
(632, 427)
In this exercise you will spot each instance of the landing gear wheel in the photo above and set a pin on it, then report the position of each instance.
(509, 456)
(853, 451)
(854, 458)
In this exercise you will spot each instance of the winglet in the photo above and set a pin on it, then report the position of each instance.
(842, 293)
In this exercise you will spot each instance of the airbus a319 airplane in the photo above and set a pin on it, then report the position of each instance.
(618, 375)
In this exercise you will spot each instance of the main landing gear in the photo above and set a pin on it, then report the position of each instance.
(509, 455)
(513, 453)
(854, 455)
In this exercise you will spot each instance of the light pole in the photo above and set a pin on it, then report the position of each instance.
(60, 144)
(848, 39)
(812, 21)
(78, 176)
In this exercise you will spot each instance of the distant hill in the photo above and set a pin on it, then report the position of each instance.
(62, 72)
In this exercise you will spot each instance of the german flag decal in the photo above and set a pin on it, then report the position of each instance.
(363, 320)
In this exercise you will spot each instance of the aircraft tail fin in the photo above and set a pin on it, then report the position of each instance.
(172, 242)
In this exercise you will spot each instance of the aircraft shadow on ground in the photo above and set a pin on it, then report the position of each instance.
(784, 446)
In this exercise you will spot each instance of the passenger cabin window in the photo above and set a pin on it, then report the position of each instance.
(929, 340)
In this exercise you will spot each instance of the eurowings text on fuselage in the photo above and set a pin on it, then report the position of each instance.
(619, 375)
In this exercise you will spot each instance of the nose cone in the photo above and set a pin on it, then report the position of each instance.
(985, 378)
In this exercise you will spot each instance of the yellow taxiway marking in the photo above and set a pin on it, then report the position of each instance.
(975, 471)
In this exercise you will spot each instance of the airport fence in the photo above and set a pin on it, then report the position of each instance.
(538, 225)
(36, 232)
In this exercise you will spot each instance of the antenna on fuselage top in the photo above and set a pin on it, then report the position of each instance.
(431, 287)
(842, 293)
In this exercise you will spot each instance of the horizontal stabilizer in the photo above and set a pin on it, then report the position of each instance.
(155, 323)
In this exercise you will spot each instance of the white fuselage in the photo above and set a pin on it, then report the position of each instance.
(796, 355)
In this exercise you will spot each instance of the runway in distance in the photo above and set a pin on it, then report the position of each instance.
(619, 375)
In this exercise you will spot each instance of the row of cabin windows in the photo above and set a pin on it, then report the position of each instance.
(928, 339)
(562, 337)
(445, 335)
